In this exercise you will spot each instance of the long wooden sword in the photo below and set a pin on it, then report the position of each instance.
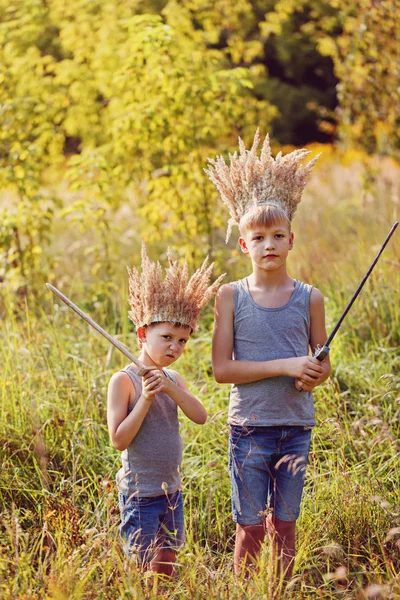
(113, 341)
(321, 353)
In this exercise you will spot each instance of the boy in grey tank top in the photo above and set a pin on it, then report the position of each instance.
(142, 412)
(265, 325)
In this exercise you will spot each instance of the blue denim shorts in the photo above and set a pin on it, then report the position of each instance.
(267, 468)
(152, 522)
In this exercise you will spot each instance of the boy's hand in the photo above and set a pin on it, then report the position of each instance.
(152, 383)
(305, 368)
(306, 385)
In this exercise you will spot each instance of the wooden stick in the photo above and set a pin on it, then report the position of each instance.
(142, 368)
(320, 353)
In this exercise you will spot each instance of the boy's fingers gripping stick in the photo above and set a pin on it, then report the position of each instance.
(113, 341)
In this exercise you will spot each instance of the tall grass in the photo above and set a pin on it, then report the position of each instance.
(59, 518)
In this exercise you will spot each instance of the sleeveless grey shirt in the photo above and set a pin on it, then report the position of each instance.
(155, 454)
(263, 334)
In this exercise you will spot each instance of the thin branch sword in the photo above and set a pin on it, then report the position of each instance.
(321, 353)
(142, 368)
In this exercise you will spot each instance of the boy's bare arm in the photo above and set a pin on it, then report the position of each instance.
(227, 370)
(318, 337)
(189, 404)
(121, 426)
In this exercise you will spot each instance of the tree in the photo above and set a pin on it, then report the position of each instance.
(367, 63)
(146, 101)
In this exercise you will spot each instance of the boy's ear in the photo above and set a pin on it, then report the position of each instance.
(243, 245)
(141, 333)
(291, 240)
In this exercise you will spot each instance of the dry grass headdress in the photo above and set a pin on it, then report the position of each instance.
(176, 299)
(250, 181)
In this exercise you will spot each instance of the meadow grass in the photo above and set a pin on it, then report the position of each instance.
(59, 517)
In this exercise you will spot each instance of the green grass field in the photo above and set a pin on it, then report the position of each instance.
(59, 514)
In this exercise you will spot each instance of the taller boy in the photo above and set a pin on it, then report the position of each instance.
(265, 325)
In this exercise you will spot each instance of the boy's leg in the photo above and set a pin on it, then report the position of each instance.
(170, 535)
(289, 468)
(282, 535)
(247, 545)
(250, 452)
(140, 520)
(163, 562)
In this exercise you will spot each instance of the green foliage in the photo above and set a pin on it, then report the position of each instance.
(361, 38)
(124, 101)
(367, 58)
(143, 99)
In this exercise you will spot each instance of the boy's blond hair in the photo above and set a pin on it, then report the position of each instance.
(263, 215)
(250, 181)
(175, 299)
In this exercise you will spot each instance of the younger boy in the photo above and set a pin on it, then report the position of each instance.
(264, 327)
(142, 411)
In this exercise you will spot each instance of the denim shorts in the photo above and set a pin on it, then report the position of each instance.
(267, 468)
(152, 522)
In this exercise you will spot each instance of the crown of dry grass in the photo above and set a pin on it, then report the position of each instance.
(176, 299)
(250, 181)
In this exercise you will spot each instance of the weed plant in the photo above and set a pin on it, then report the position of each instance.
(59, 517)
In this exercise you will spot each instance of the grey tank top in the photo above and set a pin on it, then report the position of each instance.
(155, 454)
(263, 334)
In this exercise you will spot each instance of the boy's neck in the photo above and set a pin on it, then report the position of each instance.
(269, 279)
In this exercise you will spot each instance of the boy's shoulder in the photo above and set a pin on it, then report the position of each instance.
(225, 295)
(124, 376)
(171, 372)
(175, 377)
(119, 377)
(316, 297)
(228, 289)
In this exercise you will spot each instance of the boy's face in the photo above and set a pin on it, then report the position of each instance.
(268, 247)
(164, 342)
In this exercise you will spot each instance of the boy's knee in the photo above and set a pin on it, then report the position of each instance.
(284, 529)
(254, 532)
